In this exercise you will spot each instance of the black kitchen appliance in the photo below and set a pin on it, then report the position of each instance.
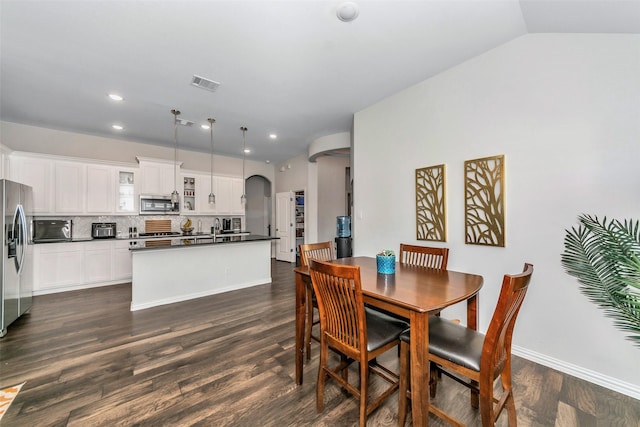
(227, 227)
(52, 230)
(103, 230)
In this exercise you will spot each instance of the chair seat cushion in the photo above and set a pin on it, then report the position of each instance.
(453, 342)
(382, 329)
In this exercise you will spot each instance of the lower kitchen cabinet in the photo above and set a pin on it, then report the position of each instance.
(58, 265)
(97, 261)
(76, 265)
(121, 261)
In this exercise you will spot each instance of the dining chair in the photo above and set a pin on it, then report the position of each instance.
(356, 334)
(472, 358)
(322, 251)
(424, 256)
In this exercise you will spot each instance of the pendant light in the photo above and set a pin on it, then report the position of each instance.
(212, 197)
(243, 198)
(175, 197)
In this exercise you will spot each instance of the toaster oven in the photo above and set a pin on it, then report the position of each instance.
(103, 230)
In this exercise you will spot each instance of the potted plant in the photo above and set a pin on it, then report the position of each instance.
(386, 262)
(605, 258)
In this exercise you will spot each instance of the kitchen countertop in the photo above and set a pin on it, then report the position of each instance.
(202, 240)
(177, 236)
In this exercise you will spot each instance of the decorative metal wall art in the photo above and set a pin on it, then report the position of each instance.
(430, 204)
(484, 201)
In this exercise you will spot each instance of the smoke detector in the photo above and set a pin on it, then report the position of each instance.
(203, 83)
(347, 11)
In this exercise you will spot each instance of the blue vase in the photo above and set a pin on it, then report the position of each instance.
(386, 264)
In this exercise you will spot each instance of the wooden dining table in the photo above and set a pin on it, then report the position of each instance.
(412, 292)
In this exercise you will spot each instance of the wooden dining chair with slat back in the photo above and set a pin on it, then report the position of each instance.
(357, 335)
(322, 251)
(424, 256)
(471, 358)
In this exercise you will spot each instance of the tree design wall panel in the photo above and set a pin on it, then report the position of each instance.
(431, 204)
(484, 201)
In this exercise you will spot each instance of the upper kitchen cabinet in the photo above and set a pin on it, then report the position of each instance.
(191, 190)
(37, 173)
(228, 197)
(157, 176)
(111, 190)
(69, 187)
(126, 195)
(100, 189)
(203, 205)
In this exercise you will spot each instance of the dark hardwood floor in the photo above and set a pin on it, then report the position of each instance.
(225, 360)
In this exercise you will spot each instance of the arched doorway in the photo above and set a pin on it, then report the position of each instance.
(258, 207)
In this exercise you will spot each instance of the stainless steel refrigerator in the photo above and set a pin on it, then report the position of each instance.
(17, 252)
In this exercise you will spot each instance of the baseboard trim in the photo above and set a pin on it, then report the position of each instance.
(611, 383)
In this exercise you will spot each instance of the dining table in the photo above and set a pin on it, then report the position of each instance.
(413, 292)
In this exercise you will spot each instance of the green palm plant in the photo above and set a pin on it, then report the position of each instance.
(604, 257)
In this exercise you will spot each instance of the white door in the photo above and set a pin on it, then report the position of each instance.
(285, 245)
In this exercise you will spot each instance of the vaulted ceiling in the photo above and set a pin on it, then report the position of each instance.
(289, 68)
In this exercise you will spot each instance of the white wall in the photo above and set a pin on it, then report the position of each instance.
(48, 141)
(565, 112)
(331, 195)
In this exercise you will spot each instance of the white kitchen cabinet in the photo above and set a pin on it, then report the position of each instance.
(126, 194)
(157, 176)
(203, 205)
(223, 196)
(100, 189)
(37, 173)
(58, 265)
(228, 195)
(62, 267)
(97, 262)
(189, 190)
(237, 190)
(69, 187)
(121, 261)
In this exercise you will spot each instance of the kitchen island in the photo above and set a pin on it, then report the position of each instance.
(192, 268)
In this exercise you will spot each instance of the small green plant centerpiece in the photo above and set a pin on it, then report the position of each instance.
(605, 258)
(386, 262)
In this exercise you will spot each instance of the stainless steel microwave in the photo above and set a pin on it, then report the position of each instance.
(153, 204)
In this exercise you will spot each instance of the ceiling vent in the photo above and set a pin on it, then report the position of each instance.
(203, 83)
(184, 122)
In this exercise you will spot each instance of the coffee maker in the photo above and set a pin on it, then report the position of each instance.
(226, 225)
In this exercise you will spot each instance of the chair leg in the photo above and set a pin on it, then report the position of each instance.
(364, 383)
(403, 388)
(434, 375)
(322, 375)
(307, 338)
(474, 396)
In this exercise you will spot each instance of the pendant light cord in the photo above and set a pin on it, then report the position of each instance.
(243, 198)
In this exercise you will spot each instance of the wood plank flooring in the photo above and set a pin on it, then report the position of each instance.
(225, 360)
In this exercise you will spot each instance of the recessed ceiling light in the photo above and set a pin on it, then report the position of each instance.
(117, 127)
(273, 136)
(267, 161)
(247, 151)
(116, 97)
(207, 127)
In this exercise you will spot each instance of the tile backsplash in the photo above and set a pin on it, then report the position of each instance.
(82, 224)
